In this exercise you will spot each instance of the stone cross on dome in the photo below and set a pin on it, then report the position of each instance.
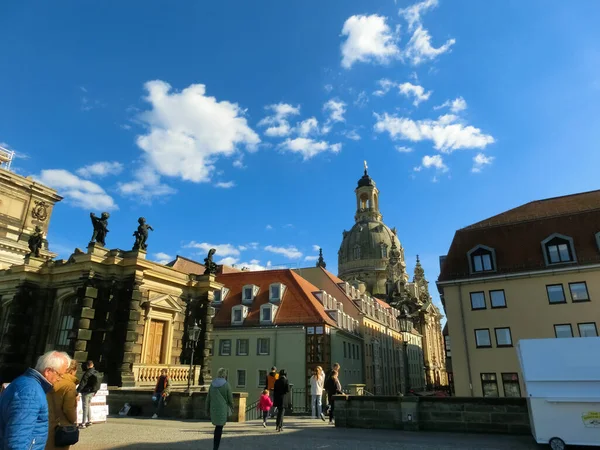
(366, 167)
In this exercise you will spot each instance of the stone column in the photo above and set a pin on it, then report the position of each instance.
(207, 313)
(131, 335)
(83, 326)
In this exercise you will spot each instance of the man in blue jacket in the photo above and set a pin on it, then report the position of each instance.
(23, 404)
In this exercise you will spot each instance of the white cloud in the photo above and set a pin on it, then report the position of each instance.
(480, 161)
(328, 88)
(457, 105)
(221, 249)
(77, 191)
(242, 248)
(412, 13)
(445, 132)
(253, 245)
(145, 186)
(163, 258)
(225, 184)
(239, 164)
(308, 126)
(417, 92)
(290, 252)
(362, 99)
(228, 261)
(368, 39)
(308, 147)
(316, 248)
(254, 266)
(277, 123)
(311, 258)
(351, 134)
(435, 161)
(188, 131)
(419, 48)
(403, 149)
(407, 89)
(268, 227)
(100, 169)
(336, 110)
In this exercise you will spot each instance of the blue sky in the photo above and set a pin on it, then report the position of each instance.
(244, 125)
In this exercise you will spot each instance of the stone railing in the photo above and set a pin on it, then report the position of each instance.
(147, 374)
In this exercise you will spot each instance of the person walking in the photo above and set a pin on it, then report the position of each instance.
(317, 382)
(88, 386)
(161, 392)
(219, 404)
(280, 396)
(62, 405)
(328, 384)
(24, 407)
(334, 388)
(272, 377)
(265, 404)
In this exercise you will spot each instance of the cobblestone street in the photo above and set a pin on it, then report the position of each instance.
(299, 433)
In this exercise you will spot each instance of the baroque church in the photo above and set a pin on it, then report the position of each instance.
(371, 258)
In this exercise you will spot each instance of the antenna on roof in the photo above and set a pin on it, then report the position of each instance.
(6, 157)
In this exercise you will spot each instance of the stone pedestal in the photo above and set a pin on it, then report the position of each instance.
(356, 389)
(34, 261)
(96, 249)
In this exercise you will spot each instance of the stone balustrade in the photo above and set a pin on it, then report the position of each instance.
(147, 374)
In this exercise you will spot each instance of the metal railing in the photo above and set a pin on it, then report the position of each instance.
(252, 411)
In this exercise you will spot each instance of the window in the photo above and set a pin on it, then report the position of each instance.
(489, 385)
(503, 337)
(249, 293)
(262, 378)
(481, 259)
(356, 252)
(345, 352)
(563, 331)
(266, 315)
(238, 314)
(65, 324)
(448, 349)
(241, 378)
(556, 293)
(384, 251)
(263, 346)
(242, 347)
(225, 347)
(477, 300)
(510, 383)
(497, 299)
(482, 338)
(558, 249)
(587, 329)
(276, 291)
(217, 296)
(579, 292)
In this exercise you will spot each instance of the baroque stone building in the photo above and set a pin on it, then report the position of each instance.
(371, 258)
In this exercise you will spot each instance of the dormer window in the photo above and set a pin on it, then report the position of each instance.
(558, 249)
(249, 292)
(276, 291)
(482, 259)
(384, 251)
(220, 294)
(267, 313)
(238, 314)
(356, 252)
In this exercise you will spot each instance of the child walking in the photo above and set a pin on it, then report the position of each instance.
(264, 404)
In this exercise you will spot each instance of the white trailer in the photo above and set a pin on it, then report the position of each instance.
(562, 381)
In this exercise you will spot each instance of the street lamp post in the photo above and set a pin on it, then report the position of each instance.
(193, 336)
(405, 327)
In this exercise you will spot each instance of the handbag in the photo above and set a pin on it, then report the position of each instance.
(66, 435)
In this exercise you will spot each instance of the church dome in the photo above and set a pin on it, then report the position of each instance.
(367, 240)
(366, 180)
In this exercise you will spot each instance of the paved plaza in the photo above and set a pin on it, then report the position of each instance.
(300, 433)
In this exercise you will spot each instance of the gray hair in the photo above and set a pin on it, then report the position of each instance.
(222, 373)
(53, 360)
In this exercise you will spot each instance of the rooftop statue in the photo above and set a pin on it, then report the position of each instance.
(35, 242)
(210, 266)
(141, 235)
(100, 228)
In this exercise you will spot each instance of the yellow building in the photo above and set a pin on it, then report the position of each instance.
(530, 272)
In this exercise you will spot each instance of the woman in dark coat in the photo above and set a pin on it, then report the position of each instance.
(334, 388)
(280, 394)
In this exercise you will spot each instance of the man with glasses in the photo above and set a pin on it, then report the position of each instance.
(23, 404)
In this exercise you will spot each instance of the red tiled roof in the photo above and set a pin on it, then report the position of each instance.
(187, 265)
(299, 305)
(516, 235)
(382, 303)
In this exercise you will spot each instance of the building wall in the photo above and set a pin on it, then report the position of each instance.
(287, 351)
(347, 350)
(433, 349)
(416, 370)
(528, 313)
(384, 360)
